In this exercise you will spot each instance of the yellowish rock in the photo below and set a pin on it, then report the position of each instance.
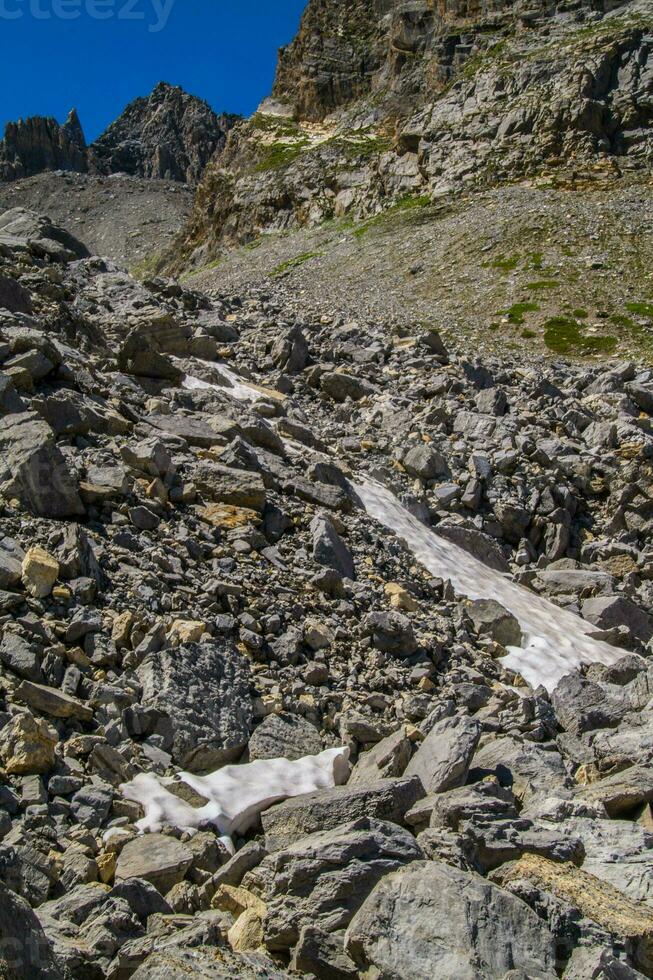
(122, 629)
(228, 517)
(186, 631)
(40, 571)
(230, 898)
(597, 900)
(106, 866)
(27, 746)
(62, 593)
(247, 932)
(400, 598)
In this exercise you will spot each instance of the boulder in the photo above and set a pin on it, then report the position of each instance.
(424, 462)
(40, 571)
(223, 484)
(284, 736)
(329, 549)
(33, 469)
(629, 922)
(388, 759)
(24, 947)
(27, 745)
(339, 387)
(163, 861)
(489, 618)
(324, 878)
(607, 612)
(392, 632)
(387, 799)
(197, 697)
(529, 770)
(442, 761)
(432, 920)
(20, 656)
(582, 705)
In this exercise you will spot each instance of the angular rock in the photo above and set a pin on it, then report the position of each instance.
(163, 861)
(33, 469)
(197, 697)
(284, 736)
(431, 920)
(388, 799)
(326, 877)
(489, 618)
(329, 549)
(442, 761)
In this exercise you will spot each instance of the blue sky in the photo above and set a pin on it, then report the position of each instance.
(56, 54)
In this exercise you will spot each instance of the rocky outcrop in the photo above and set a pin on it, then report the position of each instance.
(375, 104)
(168, 135)
(36, 144)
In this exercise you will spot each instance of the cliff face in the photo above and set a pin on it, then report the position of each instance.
(379, 99)
(168, 135)
(34, 145)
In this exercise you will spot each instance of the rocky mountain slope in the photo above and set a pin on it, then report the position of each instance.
(130, 220)
(379, 103)
(236, 530)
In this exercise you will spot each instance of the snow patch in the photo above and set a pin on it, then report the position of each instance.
(555, 641)
(235, 795)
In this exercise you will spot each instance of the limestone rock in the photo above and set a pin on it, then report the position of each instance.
(40, 571)
(432, 920)
(27, 745)
(163, 861)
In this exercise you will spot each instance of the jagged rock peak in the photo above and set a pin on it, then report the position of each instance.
(73, 129)
(39, 143)
(168, 134)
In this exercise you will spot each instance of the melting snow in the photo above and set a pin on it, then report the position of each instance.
(236, 795)
(555, 641)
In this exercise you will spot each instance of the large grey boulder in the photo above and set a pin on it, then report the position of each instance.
(529, 770)
(175, 963)
(33, 469)
(24, 947)
(490, 618)
(197, 697)
(161, 860)
(392, 632)
(20, 227)
(284, 736)
(442, 761)
(386, 760)
(388, 799)
(225, 485)
(609, 611)
(431, 920)
(329, 549)
(581, 705)
(324, 878)
(424, 462)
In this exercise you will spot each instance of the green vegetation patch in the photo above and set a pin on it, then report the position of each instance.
(641, 309)
(543, 284)
(565, 336)
(277, 156)
(507, 263)
(294, 263)
(409, 202)
(516, 312)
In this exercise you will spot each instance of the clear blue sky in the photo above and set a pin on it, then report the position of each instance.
(221, 50)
